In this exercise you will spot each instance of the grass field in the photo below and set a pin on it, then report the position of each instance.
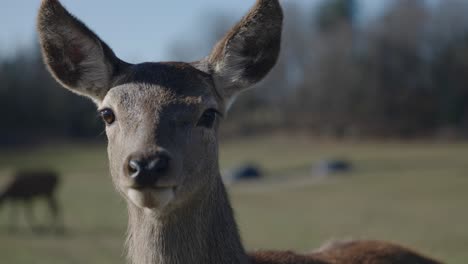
(411, 193)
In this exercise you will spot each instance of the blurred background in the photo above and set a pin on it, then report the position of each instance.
(359, 132)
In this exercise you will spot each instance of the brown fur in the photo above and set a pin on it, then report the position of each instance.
(283, 257)
(349, 252)
(26, 186)
(185, 217)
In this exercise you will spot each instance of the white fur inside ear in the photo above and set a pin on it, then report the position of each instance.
(83, 54)
(95, 62)
(231, 72)
(232, 67)
(96, 73)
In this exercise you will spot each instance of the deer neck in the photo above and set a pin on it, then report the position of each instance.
(203, 231)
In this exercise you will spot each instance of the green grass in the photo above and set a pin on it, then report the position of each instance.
(411, 193)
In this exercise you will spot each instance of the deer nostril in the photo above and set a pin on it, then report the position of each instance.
(159, 165)
(134, 168)
(147, 171)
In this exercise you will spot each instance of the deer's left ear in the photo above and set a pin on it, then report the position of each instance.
(248, 52)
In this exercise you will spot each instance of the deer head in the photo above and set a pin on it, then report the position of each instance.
(161, 118)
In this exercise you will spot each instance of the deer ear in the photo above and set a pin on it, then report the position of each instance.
(248, 52)
(76, 56)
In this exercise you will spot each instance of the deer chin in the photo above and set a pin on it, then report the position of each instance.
(152, 199)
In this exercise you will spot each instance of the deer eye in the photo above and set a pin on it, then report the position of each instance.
(107, 116)
(208, 118)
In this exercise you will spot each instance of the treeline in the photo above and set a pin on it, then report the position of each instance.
(403, 74)
(34, 108)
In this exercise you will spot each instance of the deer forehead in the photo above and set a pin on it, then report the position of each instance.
(149, 87)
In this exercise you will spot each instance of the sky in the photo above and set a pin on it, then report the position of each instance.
(138, 30)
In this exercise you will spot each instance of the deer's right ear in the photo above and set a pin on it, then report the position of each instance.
(76, 56)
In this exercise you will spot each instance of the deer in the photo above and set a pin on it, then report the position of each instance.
(162, 121)
(26, 186)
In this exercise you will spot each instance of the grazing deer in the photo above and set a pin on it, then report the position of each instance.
(26, 186)
(162, 121)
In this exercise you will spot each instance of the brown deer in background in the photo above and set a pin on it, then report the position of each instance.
(162, 121)
(25, 187)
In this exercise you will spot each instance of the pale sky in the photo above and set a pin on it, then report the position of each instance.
(138, 30)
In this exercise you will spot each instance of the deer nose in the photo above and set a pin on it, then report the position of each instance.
(146, 171)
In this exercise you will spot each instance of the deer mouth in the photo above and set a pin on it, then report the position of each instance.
(154, 198)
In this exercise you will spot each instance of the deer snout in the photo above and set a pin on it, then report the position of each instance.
(146, 170)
